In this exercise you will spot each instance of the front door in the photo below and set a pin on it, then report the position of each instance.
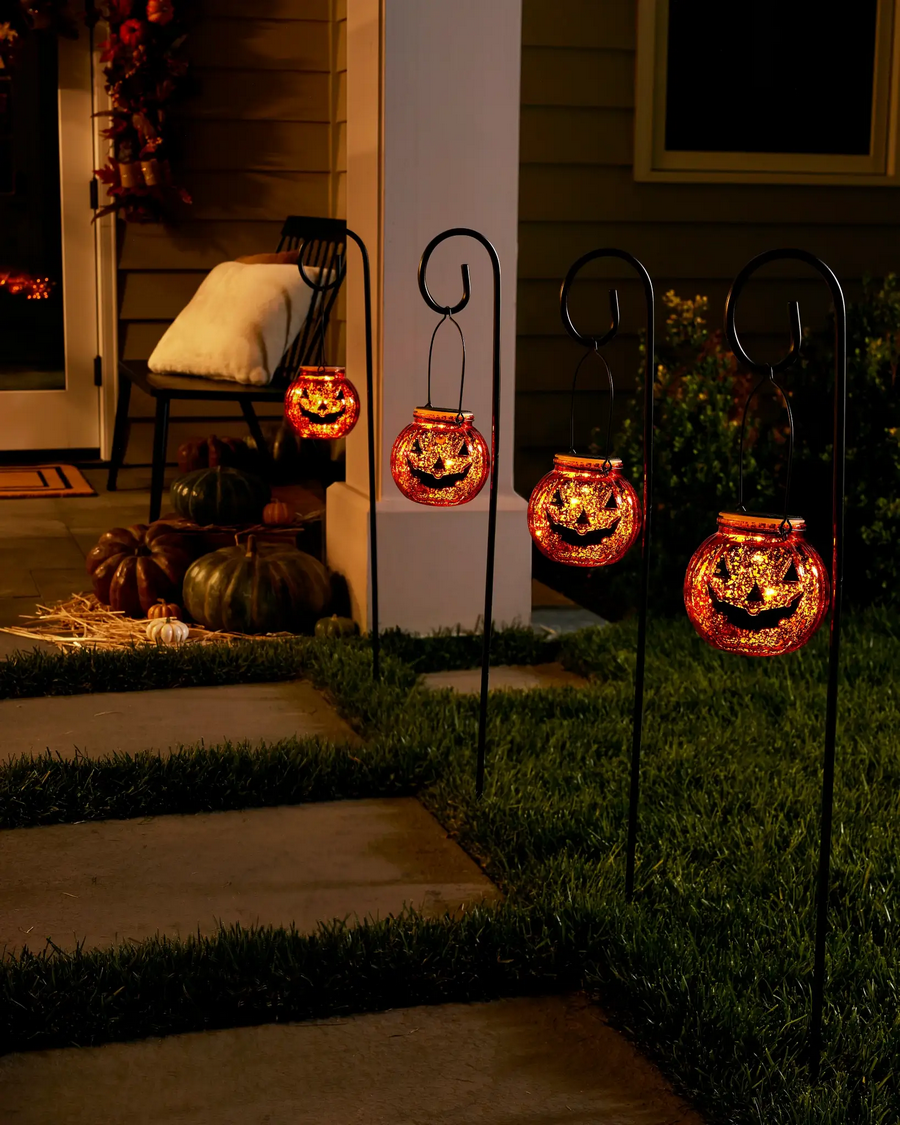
(48, 280)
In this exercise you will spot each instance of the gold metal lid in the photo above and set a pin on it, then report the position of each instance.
(760, 521)
(591, 464)
(439, 414)
(313, 369)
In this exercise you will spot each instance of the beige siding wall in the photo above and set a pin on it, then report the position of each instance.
(258, 144)
(577, 192)
(339, 157)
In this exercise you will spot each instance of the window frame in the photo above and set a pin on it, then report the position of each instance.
(652, 162)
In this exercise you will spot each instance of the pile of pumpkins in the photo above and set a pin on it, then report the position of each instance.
(252, 587)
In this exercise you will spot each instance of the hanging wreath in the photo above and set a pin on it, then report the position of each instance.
(144, 72)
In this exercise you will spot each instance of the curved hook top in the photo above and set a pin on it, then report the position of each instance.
(576, 267)
(464, 269)
(338, 273)
(796, 328)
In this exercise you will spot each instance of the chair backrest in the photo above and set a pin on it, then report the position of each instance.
(324, 243)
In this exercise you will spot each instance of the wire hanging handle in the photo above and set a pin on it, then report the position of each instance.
(448, 315)
(785, 526)
(767, 371)
(592, 343)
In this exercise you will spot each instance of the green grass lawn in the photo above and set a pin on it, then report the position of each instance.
(709, 968)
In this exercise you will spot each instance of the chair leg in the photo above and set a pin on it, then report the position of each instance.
(120, 433)
(255, 429)
(160, 439)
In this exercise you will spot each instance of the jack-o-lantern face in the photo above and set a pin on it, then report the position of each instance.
(440, 458)
(754, 589)
(584, 512)
(321, 403)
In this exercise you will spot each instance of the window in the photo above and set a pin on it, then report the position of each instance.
(772, 91)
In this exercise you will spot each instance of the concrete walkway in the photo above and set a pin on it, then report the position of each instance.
(505, 677)
(161, 720)
(536, 1061)
(116, 880)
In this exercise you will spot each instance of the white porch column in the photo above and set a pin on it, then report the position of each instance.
(432, 143)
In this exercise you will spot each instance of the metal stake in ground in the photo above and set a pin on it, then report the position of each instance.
(597, 342)
(370, 425)
(495, 448)
(837, 575)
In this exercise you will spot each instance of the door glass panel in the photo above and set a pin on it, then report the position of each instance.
(32, 342)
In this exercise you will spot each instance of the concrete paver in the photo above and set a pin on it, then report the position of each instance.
(534, 1061)
(160, 720)
(122, 880)
(505, 677)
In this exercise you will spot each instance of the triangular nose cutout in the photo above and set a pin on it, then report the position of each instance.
(755, 595)
(612, 502)
(439, 465)
(582, 520)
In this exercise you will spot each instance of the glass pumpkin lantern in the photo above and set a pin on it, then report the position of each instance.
(440, 458)
(321, 403)
(757, 587)
(584, 512)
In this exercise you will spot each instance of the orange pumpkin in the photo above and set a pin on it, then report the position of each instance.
(278, 512)
(164, 609)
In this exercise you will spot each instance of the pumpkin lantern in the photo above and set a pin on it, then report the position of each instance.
(756, 587)
(322, 403)
(440, 458)
(584, 512)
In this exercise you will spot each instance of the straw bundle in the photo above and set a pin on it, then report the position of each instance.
(81, 621)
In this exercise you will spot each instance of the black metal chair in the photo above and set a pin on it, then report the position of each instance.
(324, 246)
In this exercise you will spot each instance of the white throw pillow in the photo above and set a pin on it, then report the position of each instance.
(238, 324)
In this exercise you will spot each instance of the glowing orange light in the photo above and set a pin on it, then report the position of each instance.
(751, 589)
(440, 458)
(321, 403)
(32, 288)
(584, 512)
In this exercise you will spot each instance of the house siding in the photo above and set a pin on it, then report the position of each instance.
(257, 143)
(577, 192)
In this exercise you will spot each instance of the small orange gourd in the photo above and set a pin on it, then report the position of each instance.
(164, 609)
(278, 512)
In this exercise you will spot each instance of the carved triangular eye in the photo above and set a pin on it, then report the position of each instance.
(612, 502)
(721, 570)
(557, 500)
(416, 447)
(340, 395)
(792, 575)
(464, 450)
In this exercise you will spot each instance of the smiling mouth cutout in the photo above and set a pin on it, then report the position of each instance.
(320, 419)
(429, 480)
(741, 618)
(577, 538)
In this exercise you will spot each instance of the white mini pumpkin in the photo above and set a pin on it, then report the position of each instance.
(168, 631)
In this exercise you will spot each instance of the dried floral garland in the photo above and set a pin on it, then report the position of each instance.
(144, 74)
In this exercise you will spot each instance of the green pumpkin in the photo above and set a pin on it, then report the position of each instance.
(220, 496)
(335, 626)
(257, 588)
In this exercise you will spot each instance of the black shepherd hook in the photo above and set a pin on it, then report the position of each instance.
(837, 576)
(596, 343)
(450, 310)
(370, 413)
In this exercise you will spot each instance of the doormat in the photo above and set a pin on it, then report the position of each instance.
(30, 482)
